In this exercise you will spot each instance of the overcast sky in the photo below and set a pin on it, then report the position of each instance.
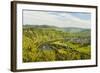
(60, 19)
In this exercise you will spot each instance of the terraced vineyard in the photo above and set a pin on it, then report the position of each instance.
(48, 43)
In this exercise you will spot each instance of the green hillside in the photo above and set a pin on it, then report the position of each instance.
(49, 43)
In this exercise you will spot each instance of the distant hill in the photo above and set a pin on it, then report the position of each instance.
(74, 29)
(64, 29)
(39, 26)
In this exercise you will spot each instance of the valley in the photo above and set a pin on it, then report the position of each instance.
(50, 43)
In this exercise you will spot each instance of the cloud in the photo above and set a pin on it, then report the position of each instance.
(60, 19)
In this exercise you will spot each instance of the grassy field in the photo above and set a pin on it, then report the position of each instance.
(49, 43)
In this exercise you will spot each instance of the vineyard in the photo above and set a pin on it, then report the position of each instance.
(49, 43)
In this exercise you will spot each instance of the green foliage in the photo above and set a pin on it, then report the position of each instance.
(49, 44)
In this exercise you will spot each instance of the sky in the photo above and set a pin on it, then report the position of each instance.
(56, 18)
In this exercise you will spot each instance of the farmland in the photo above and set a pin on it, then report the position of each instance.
(50, 43)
